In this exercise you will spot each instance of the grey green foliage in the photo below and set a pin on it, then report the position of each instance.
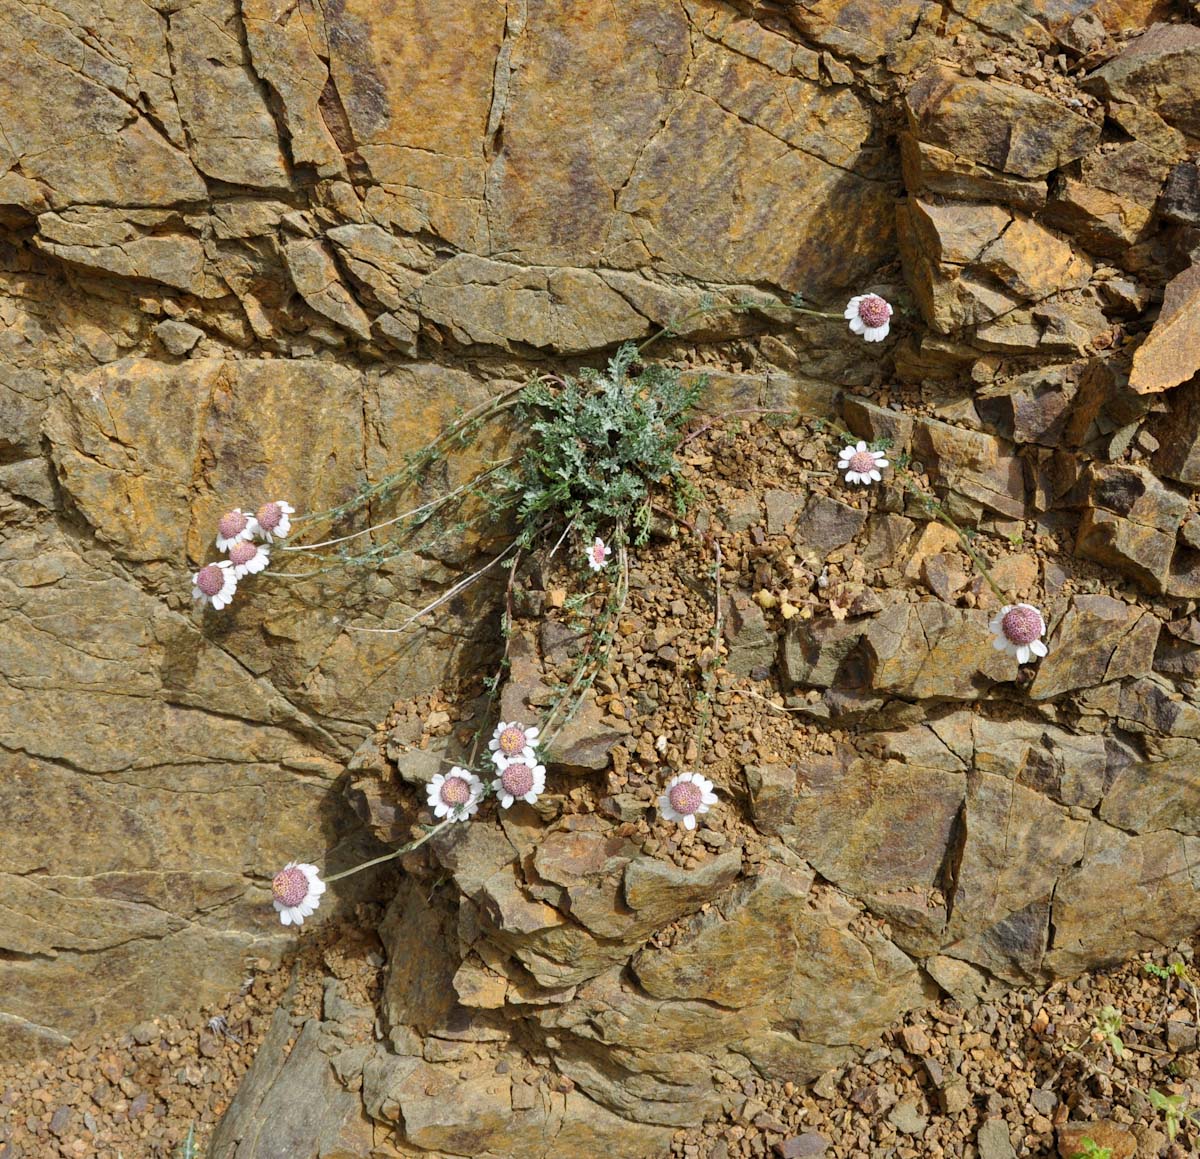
(599, 443)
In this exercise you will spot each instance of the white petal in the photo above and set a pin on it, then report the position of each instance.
(1000, 643)
(1038, 648)
(1022, 651)
(689, 822)
(882, 462)
(877, 476)
(856, 324)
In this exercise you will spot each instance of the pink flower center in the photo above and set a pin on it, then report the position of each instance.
(517, 780)
(269, 516)
(598, 552)
(210, 579)
(874, 311)
(863, 462)
(512, 740)
(290, 886)
(455, 791)
(685, 797)
(232, 523)
(242, 552)
(1022, 625)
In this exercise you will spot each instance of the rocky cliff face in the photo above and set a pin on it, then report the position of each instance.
(269, 245)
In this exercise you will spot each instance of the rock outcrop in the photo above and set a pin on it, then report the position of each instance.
(264, 249)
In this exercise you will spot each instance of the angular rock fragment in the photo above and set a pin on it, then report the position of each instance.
(1130, 523)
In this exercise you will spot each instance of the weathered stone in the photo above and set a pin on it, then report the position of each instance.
(814, 650)
(1149, 796)
(1016, 844)
(1157, 70)
(1031, 408)
(810, 1145)
(863, 32)
(1107, 200)
(1171, 352)
(752, 645)
(291, 1103)
(972, 464)
(1032, 262)
(827, 523)
(110, 154)
(389, 267)
(315, 275)
(231, 133)
(1122, 891)
(178, 337)
(928, 649)
(152, 245)
(489, 302)
(1181, 194)
(993, 1140)
(1097, 640)
(288, 49)
(1002, 125)
(928, 168)
(1130, 523)
(466, 1108)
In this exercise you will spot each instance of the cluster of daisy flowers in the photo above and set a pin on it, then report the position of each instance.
(245, 539)
(456, 796)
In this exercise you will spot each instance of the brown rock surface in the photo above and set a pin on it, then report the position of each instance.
(266, 249)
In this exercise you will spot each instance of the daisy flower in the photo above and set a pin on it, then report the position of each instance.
(869, 316)
(454, 794)
(233, 527)
(597, 554)
(1018, 629)
(296, 891)
(215, 583)
(519, 780)
(512, 739)
(272, 521)
(861, 464)
(686, 795)
(248, 558)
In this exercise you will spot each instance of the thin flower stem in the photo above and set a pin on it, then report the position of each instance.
(592, 663)
(484, 410)
(710, 675)
(943, 516)
(394, 853)
(461, 586)
(432, 505)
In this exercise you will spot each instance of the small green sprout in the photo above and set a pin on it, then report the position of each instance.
(1174, 1110)
(1090, 1149)
(1166, 973)
(1106, 1027)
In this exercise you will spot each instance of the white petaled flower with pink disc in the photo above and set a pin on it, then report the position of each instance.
(520, 779)
(869, 315)
(234, 527)
(455, 794)
(512, 739)
(271, 520)
(248, 558)
(215, 583)
(296, 892)
(861, 464)
(597, 554)
(1019, 629)
(686, 797)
